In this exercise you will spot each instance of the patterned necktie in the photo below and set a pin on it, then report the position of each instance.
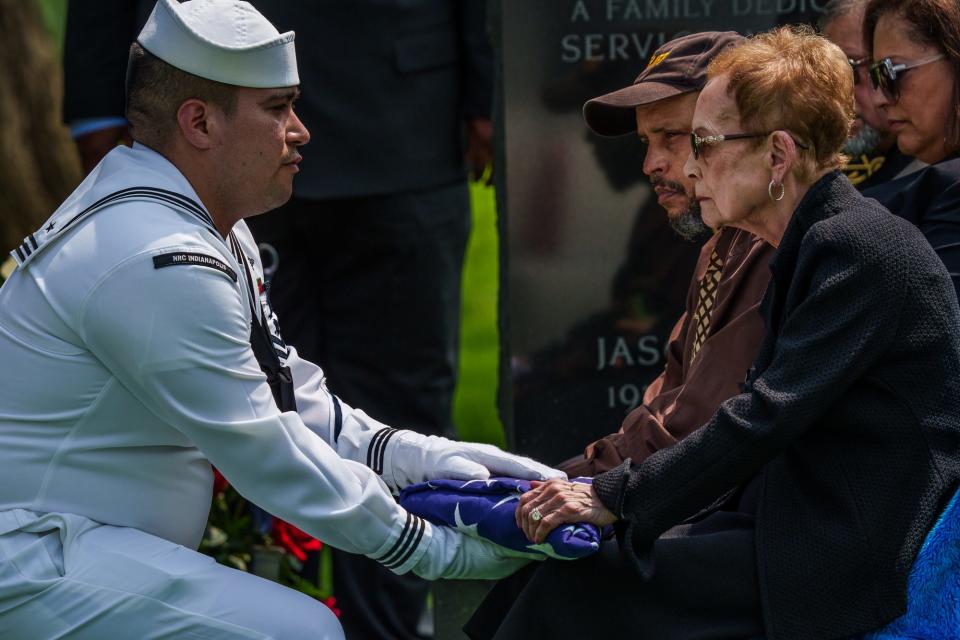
(708, 298)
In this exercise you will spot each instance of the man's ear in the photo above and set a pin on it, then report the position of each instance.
(194, 120)
(782, 154)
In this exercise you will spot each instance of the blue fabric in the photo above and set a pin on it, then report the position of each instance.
(933, 592)
(88, 125)
(486, 508)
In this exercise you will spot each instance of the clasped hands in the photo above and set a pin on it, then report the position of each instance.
(549, 504)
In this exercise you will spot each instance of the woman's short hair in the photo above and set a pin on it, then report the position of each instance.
(155, 91)
(935, 23)
(792, 79)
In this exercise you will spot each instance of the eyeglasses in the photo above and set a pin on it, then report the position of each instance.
(697, 143)
(884, 75)
(855, 65)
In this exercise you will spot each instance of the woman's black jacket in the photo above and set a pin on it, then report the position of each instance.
(848, 428)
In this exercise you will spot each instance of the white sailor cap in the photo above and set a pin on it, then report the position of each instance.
(224, 40)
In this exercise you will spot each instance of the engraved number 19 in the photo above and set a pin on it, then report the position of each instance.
(628, 395)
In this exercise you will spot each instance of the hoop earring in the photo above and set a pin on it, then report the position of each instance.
(770, 188)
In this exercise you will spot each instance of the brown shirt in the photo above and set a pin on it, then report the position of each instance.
(688, 393)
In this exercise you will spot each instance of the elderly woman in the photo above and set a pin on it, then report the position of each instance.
(798, 509)
(916, 48)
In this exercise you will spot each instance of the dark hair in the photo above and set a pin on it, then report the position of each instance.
(837, 9)
(935, 23)
(155, 91)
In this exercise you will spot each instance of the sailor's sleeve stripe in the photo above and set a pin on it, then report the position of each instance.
(374, 441)
(381, 451)
(399, 562)
(378, 447)
(396, 545)
(406, 544)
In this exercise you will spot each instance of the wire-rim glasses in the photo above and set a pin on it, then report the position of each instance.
(697, 143)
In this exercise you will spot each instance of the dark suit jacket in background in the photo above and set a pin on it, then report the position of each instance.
(930, 199)
(386, 86)
(848, 435)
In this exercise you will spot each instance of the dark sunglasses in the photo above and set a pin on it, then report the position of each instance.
(855, 65)
(884, 75)
(697, 143)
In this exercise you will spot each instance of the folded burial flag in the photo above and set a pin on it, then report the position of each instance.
(485, 509)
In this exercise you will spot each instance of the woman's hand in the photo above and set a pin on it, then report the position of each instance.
(550, 504)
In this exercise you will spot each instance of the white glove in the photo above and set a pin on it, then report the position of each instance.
(405, 457)
(453, 555)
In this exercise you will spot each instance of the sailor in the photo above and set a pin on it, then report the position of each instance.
(138, 348)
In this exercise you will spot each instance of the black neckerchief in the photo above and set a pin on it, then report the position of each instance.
(279, 376)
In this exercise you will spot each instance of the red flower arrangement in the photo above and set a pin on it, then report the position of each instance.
(295, 541)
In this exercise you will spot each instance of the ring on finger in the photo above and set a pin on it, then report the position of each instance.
(535, 515)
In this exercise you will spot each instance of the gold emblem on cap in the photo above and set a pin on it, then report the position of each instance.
(657, 59)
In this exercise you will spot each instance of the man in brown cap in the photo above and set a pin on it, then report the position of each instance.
(714, 342)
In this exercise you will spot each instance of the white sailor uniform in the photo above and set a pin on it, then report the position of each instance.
(125, 371)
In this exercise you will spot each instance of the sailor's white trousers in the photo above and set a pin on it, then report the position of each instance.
(65, 576)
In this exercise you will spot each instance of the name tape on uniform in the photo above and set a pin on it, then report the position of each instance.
(195, 259)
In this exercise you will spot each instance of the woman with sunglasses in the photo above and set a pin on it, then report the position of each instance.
(797, 510)
(915, 45)
(914, 73)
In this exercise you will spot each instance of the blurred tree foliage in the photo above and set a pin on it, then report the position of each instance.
(39, 161)
(54, 15)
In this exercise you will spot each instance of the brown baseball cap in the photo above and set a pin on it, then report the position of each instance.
(679, 66)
